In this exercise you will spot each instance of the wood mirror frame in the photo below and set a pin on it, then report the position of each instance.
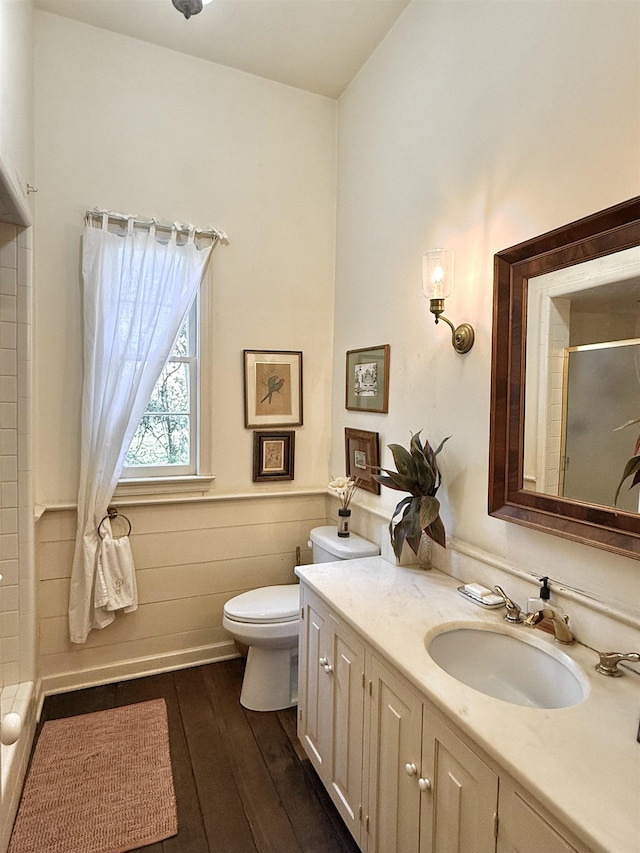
(600, 234)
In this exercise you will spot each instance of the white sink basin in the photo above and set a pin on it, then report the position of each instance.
(510, 668)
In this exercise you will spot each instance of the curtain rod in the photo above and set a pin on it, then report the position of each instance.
(98, 213)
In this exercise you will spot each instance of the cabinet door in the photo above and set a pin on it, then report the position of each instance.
(460, 806)
(314, 685)
(394, 764)
(331, 706)
(523, 830)
(346, 670)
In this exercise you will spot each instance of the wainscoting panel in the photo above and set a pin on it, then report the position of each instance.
(190, 559)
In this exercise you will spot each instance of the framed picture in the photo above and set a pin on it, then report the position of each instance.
(362, 457)
(367, 386)
(273, 455)
(272, 388)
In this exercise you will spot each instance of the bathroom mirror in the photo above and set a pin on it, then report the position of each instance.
(565, 376)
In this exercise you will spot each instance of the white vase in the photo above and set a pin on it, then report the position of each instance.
(425, 551)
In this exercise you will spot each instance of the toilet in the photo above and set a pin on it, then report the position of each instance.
(267, 620)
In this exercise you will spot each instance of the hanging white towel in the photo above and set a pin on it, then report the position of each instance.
(115, 587)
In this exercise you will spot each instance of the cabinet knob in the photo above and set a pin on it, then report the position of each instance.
(411, 769)
(328, 668)
(424, 784)
(323, 661)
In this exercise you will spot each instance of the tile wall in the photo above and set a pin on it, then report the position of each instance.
(17, 634)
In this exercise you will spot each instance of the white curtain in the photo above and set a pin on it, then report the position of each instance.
(137, 293)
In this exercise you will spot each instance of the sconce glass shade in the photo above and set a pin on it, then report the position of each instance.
(437, 285)
(437, 273)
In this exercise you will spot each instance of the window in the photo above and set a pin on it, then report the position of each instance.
(173, 439)
(171, 450)
(166, 441)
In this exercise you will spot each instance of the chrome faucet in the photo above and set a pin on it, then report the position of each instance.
(548, 620)
(609, 662)
(514, 614)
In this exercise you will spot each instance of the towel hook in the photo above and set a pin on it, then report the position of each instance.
(112, 513)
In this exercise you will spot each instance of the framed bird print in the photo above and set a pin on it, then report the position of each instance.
(272, 388)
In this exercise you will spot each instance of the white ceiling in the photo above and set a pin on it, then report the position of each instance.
(317, 45)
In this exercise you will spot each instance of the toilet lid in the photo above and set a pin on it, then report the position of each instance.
(268, 604)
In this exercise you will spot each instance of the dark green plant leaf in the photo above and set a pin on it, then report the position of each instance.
(403, 461)
(397, 534)
(403, 503)
(437, 532)
(408, 528)
(429, 510)
(393, 480)
(631, 469)
(425, 471)
(411, 520)
(442, 444)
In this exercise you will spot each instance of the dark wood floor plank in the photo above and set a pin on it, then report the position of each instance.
(234, 669)
(243, 782)
(76, 702)
(289, 722)
(269, 821)
(226, 825)
(309, 820)
(191, 836)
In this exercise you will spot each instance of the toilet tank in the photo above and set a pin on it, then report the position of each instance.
(327, 546)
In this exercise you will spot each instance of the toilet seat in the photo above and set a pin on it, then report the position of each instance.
(266, 605)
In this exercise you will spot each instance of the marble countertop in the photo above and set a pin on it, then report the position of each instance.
(582, 762)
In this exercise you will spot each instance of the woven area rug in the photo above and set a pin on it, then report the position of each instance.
(99, 783)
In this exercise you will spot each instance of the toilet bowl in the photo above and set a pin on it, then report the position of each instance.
(267, 620)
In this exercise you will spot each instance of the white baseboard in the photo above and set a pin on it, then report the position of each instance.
(135, 668)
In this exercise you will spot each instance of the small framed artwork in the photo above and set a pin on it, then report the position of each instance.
(272, 388)
(273, 455)
(367, 386)
(362, 457)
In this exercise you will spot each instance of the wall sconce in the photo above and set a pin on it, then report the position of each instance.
(437, 285)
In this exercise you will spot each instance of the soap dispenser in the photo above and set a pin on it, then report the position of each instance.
(535, 604)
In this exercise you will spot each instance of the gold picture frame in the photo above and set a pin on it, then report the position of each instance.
(362, 458)
(272, 388)
(367, 379)
(273, 455)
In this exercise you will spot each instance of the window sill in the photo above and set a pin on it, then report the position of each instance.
(163, 486)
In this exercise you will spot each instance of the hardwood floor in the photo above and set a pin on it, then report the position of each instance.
(243, 783)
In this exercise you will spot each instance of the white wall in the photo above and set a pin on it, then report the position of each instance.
(16, 89)
(474, 126)
(132, 127)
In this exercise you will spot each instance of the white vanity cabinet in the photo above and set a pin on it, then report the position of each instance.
(523, 829)
(331, 705)
(427, 791)
(402, 780)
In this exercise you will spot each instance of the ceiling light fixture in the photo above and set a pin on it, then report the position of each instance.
(189, 7)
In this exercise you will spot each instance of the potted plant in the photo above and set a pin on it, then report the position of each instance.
(417, 473)
(345, 488)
